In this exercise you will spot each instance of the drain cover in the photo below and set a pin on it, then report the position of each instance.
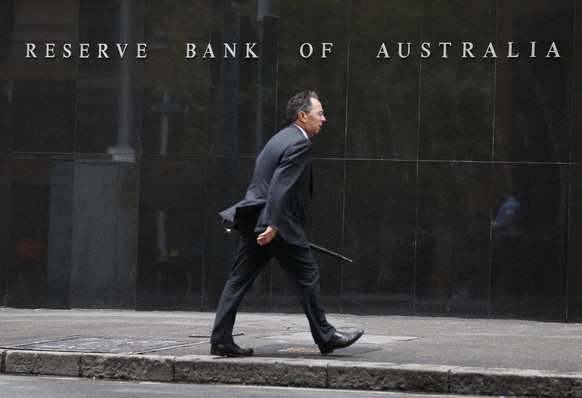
(298, 350)
(301, 350)
(366, 338)
(207, 335)
(102, 345)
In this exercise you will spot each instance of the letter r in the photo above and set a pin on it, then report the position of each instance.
(30, 50)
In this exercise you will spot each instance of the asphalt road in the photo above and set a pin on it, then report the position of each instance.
(56, 387)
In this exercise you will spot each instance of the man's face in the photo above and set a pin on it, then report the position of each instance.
(313, 120)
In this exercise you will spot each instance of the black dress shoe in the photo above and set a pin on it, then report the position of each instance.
(340, 340)
(230, 350)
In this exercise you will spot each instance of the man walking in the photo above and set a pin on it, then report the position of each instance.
(271, 220)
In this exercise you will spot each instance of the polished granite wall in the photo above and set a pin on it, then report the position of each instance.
(112, 170)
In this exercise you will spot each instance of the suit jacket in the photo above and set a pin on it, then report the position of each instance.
(280, 192)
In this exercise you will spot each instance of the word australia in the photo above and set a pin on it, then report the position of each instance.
(468, 50)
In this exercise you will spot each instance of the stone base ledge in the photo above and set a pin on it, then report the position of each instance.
(130, 367)
(42, 363)
(295, 372)
(254, 371)
(515, 382)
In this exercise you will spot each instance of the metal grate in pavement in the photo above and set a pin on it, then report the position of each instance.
(102, 345)
(207, 335)
(366, 338)
(301, 350)
(310, 351)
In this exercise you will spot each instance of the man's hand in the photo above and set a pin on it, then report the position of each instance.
(267, 236)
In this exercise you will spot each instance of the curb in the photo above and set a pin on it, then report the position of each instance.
(291, 372)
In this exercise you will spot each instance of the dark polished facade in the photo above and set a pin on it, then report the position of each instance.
(115, 159)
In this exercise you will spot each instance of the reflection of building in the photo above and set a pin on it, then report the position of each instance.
(103, 234)
(119, 166)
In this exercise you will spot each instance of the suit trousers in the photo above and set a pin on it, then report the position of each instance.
(301, 271)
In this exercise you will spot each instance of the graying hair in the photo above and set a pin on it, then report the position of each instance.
(300, 102)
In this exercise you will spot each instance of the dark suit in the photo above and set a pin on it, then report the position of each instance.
(279, 195)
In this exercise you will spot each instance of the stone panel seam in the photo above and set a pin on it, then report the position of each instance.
(449, 372)
(2, 361)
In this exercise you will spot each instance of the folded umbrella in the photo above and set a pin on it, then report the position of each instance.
(329, 252)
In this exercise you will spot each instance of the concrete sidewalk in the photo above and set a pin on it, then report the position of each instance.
(443, 355)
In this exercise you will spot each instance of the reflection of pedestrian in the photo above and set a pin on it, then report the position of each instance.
(509, 248)
(271, 219)
(31, 250)
(30, 263)
(504, 221)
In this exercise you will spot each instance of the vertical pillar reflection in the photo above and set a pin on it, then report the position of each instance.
(104, 208)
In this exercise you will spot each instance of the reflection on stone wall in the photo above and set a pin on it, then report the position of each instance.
(448, 167)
